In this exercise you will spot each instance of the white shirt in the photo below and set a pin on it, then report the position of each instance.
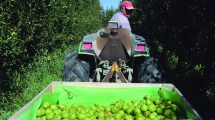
(122, 20)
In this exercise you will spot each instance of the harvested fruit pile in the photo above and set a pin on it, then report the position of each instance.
(147, 108)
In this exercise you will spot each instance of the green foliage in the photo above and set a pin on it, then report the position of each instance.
(36, 77)
(160, 48)
(211, 92)
(183, 27)
(108, 15)
(30, 31)
(172, 60)
(36, 27)
(198, 69)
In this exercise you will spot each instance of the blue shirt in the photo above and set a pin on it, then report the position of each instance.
(122, 20)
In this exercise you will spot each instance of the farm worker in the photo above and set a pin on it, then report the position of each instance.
(122, 16)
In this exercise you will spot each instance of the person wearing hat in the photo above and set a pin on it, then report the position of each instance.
(122, 16)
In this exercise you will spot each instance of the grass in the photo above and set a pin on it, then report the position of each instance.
(36, 77)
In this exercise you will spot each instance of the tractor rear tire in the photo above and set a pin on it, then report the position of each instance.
(75, 70)
(150, 72)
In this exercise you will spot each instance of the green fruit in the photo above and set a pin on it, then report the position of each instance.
(65, 114)
(167, 112)
(88, 118)
(118, 116)
(121, 112)
(152, 116)
(147, 108)
(152, 108)
(140, 117)
(53, 107)
(159, 110)
(57, 111)
(74, 106)
(148, 102)
(129, 110)
(148, 97)
(137, 111)
(48, 110)
(50, 116)
(114, 109)
(173, 107)
(43, 111)
(147, 113)
(80, 116)
(135, 103)
(107, 108)
(101, 114)
(100, 108)
(124, 106)
(58, 117)
(168, 102)
(111, 118)
(162, 106)
(157, 101)
(128, 117)
(44, 118)
(46, 105)
(143, 107)
(107, 113)
(39, 113)
(129, 104)
(72, 116)
(38, 118)
(160, 117)
(143, 101)
(62, 107)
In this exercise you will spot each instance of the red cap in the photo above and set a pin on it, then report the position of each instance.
(127, 5)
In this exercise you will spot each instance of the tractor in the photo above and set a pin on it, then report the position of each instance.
(112, 55)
